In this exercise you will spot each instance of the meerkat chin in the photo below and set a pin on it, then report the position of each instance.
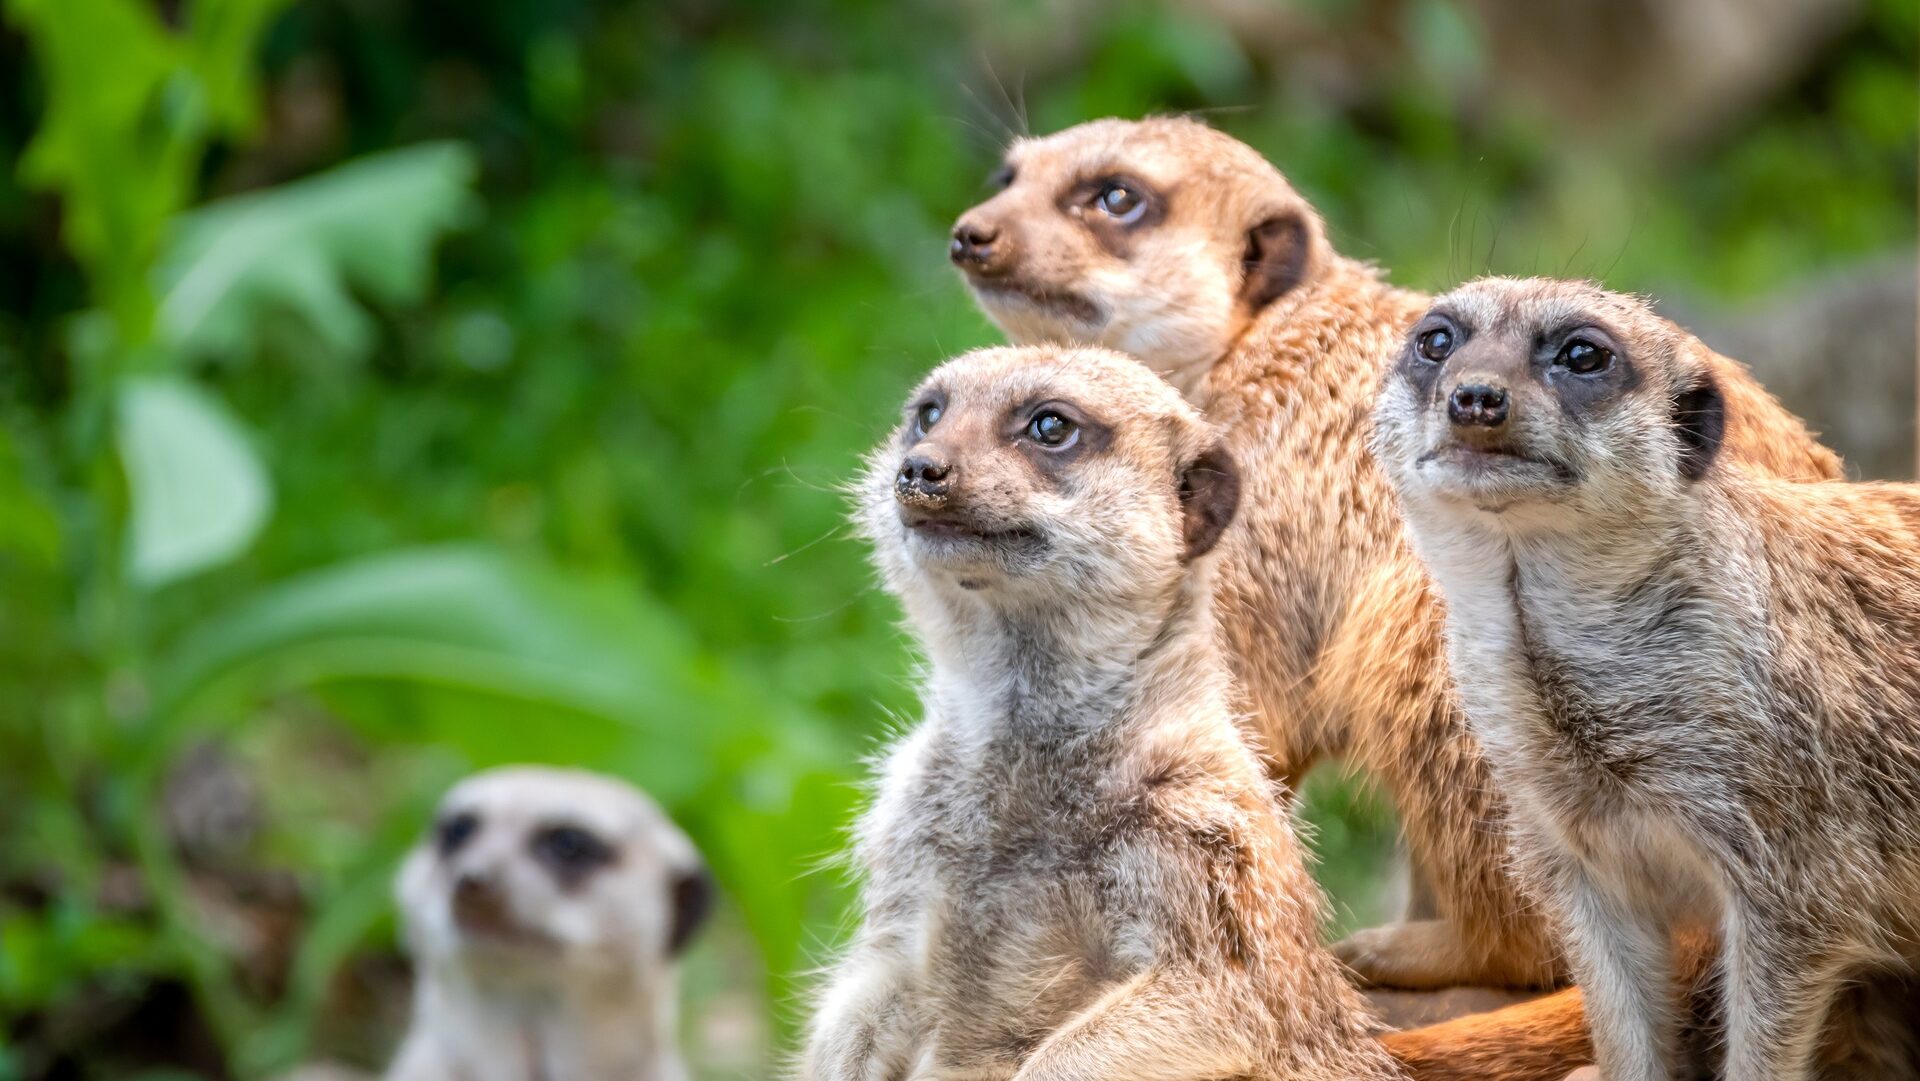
(545, 912)
(1185, 248)
(1699, 684)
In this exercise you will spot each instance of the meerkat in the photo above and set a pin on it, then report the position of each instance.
(1185, 248)
(546, 911)
(1699, 685)
(1075, 867)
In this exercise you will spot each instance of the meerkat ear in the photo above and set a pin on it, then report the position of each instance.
(1700, 419)
(1278, 251)
(691, 897)
(1209, 495)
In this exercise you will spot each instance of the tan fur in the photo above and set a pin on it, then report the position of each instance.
(1331, 626)
(1075, 868)
(547, 955)
(1698, 683)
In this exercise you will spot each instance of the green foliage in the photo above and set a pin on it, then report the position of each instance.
(126, 149)
(491, 404)
(198, 494)
(369, 224)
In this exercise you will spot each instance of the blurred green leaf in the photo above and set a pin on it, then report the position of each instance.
(300, 248)
(123, 149)
(29, 530)
(199, 492)
(465, 617)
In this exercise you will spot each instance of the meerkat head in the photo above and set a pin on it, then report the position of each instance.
(1543, 401)
(1048, 478)
(1161, 238)
(532, 876)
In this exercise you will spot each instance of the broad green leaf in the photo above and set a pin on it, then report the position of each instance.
(461, 617)
(199, 493)
(304, 248)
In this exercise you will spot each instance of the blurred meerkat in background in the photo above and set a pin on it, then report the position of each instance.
(1184, 247)
(545, 912)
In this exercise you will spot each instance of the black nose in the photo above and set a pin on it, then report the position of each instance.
(972, 245)
(1478, 405)
(477, 903)
(924, 478)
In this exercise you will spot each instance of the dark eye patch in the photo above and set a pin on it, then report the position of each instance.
(1578, 391)
(1082, 202)
(571, 853)
(1089, 436)
(1418, 368)
(1002, 177)
(916, 427)
(452, 832)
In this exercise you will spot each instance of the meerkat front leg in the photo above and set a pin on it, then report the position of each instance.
(1623, 961)
(1778, 992)
(1162, 1025)
(1417, 955)
(866, 1028)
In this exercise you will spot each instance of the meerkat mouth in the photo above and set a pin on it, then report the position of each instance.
(1503, 467)
(506, 939)
(1017, 291)
(947, 528)
(948, 540)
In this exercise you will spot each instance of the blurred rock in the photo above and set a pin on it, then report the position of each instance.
(1669, 72)
(1840, 350)
(212, 805)
(1643, 72)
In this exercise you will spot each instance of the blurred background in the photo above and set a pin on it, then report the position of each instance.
(393, 389)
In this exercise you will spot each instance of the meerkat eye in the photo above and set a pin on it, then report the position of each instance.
(1121, 202)
(1435, 345)
(454, 831)
(1582, 357)
(1050, 429)
(925, 417)
(570, 850)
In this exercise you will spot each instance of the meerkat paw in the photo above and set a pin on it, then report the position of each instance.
(1427, 955)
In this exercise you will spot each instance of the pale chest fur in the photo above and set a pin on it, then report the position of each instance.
(467, 1036)
(1651, 722)
(1021, 885)
(1590, 700)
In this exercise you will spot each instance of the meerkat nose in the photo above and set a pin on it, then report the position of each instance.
(924, 479)
(972, 248)
(477, 903)
(1478, 405)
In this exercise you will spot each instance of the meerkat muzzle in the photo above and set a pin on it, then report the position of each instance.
(977, 248)
(925, 482)
(1478, 405)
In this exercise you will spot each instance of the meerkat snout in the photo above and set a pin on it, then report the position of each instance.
(1477, 404)
(975, 247)
(923, 483)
